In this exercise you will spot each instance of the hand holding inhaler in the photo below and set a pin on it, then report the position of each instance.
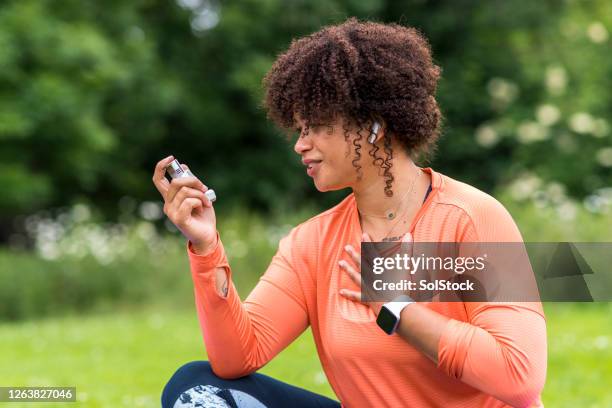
(187, 203)
(176, 170)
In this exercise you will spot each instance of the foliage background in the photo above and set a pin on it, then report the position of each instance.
(93, 94)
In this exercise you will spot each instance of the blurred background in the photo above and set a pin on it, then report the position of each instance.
(95, 290)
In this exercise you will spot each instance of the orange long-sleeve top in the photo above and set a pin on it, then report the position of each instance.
(489, 354)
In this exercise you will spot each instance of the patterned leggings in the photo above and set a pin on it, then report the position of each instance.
(195, 385)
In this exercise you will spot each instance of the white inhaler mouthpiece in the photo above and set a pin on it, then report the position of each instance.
(177, 171)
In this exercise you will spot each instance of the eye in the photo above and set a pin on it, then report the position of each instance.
(297, 134)
(318, 127)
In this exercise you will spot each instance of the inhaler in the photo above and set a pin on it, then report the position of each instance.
(177, 171)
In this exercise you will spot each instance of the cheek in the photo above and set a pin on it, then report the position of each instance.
(341, 167)
(338, 160)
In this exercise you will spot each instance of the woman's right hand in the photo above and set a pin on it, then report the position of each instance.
(187, 207)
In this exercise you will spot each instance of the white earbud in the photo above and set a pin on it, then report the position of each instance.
(374, 132)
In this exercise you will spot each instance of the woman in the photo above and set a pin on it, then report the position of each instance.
(347, 90)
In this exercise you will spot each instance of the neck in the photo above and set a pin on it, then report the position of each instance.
(370, 195)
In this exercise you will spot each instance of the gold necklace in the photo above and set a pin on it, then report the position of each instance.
(386, 237)
(389, 214)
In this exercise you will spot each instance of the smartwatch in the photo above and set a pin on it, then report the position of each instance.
(389, 315)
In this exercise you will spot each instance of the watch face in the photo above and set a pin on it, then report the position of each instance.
(386, 320)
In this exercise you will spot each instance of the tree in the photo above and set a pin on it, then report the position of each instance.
(92, 94)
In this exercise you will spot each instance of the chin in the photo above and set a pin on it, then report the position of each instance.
(323, 186)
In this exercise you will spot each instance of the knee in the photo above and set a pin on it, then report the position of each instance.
(194, 372)
(193, 369)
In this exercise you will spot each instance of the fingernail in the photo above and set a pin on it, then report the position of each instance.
(169, 157)
(347, 247)
(342, 292)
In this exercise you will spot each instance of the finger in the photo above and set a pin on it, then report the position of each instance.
(176, 184)
(365, 237)
(200, 194)
(185, 209)
(172, 207)
(186, 168)
(355, 277)
(351, 294)
(355, 256)
(159, 175)
(407, 243)
(188, 173)
(373, 248)
(189, 192)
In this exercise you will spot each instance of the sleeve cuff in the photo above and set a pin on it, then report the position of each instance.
(205, 263)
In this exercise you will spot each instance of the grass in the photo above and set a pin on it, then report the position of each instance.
(124, 358)
(579, 355)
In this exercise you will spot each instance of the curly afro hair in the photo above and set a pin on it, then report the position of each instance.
(360, 71)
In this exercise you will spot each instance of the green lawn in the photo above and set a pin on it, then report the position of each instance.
(124, 358)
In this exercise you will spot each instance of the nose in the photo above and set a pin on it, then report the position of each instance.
(303, 143)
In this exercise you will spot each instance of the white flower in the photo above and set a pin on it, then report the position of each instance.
(548, 114)
(80, 213)
(146, 231)
(486, 136)
(595, 203)
(502, 90)
(204, 19)
(567, 210)
(582, 122)
(531, 131)
(597, 32)
(556, 191)
(601, 128)
(556, 79)
(604, 156)
(524, 186)
(150, 210)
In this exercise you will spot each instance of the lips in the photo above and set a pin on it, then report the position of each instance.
(306, 162)
(312, 166)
